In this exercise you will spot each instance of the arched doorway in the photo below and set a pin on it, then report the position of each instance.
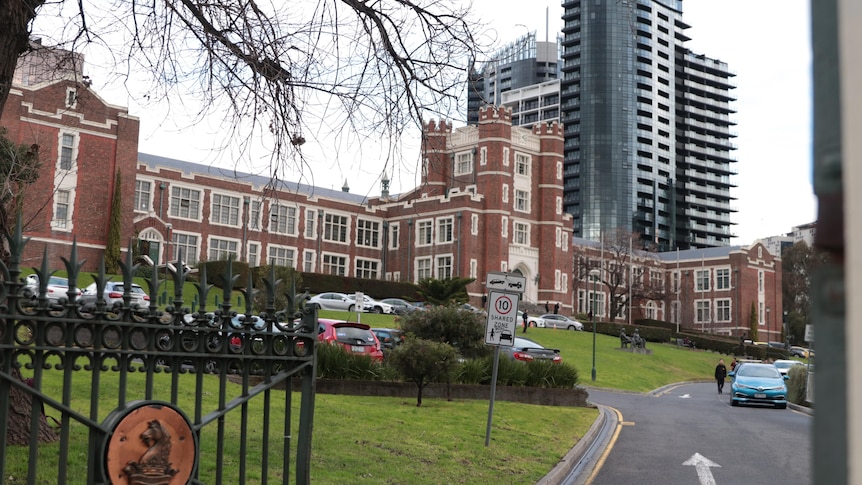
(151, 244)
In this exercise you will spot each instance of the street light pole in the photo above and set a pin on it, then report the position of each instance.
(594, 275)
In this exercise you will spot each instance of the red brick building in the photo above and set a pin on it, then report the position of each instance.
(83, 142)
(714, 290)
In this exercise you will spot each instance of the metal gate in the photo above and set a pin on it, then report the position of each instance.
(143, 396)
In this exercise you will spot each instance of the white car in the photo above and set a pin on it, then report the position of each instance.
(553, 320)
(333, 301)
(534, 320)
(371, 305)
(784, 365)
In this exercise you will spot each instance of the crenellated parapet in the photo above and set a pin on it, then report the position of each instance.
(491, 113)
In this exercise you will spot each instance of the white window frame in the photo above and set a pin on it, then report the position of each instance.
(483, 156)
(394, 234)
(701, 280)
(71, 98)
(218, 248)
(522, 200)
(225, 206)
(463, 163)
(309, 259)
(370, 229)
(702, 311)
(334, 264)
(445, 230)
(175, 202)
(474, 224)
(505, 194)
(722, 279)
(63, 200)
(521, 233)
(71, 149)
(424, 268)
(506, 156)
(253, 253)
(195, 247)
(367, 268)
(505, 225)
(444, 265)
(522, 164)
(425, 232)
(255, 209)
(310, 224)
(336, 228)
(278, 255)
(723, 309)
(143, 198)
(283, 219)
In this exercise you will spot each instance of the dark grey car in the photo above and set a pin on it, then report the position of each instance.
(525, 350)
(114, 291)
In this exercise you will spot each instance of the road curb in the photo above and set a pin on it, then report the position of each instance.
(564, 468)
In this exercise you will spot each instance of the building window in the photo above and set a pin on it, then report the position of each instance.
(559, 205)
(674, 281)
(474, 268)
(367, 233)
(521, 233)
(656, 280)
(464, 163)
(281, 256)
(253, 254)
(254, 216)
(722, 310)
(71, 98)
(222, 249)
(722, 279)
(142, 195)
(283, 219)
(505, 193)
(335, 229)
(308, 261)
(185, 247)
(423, 269)
(599, 303)
(651, 310)
(444, 230)
(185, 203)
(474, 224)
(505, 224)
(334, 264)
(483, 156)
(61, 209)
(522, 200)
(444, 267)
(522, 164)
(760, 281)
(505, 157)
(564, 285)
(366, 268)
(67, 151)
(310, 224)
(225, 210)
(701, 278)
(393, 236)
(559, 170)
(701, 308)
(424, 232)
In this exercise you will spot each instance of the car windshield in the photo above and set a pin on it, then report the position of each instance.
(353, 333)
(785, 364)
(759, 371)
(522, 343)
(58, 281)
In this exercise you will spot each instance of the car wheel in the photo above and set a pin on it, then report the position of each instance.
(572, 327)
(378, 310)
(733, 402)
(351, 308)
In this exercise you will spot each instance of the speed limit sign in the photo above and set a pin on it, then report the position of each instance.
(502, 318)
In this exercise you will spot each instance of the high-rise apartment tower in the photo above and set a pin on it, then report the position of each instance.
(648, 140)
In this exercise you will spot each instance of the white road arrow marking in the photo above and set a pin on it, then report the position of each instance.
(702, 465)
(685, 396)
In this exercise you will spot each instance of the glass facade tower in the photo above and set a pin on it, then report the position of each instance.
(647, 126)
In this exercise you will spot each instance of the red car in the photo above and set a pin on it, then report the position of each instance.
(354, 337)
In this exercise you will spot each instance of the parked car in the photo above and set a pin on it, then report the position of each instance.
(801, 352)
(371, 305)
(401, 307)
(56, 290)
(553, 320)
(113, 295)
(389, 338)
(354, 337)
(758, 384)
(534, 321)
(784, 365)
(472, 309)
(333, 301)
(525, 350)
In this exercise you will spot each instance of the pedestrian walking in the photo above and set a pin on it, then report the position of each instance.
(526, 322)
(720, 374)
(547, 308)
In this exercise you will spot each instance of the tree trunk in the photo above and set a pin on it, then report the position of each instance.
(15, 19)
(20, 404)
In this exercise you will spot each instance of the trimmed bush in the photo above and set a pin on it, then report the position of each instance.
(797, 385)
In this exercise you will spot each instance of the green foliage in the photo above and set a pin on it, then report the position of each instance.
(448, 291)
(112, 246)
(290, 284)
(334, 362)
(798, 263)
(447, 324)
(752, 323)
(474, 371)
(422, 361)
(797, 385)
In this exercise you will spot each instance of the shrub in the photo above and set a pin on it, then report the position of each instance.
(548, 374)
(474, 371)
(797, 385)
(334, 362)
(447, 324)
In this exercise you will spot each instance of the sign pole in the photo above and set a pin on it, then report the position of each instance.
(493, 394)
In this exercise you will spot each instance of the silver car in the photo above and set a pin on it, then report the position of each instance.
(553, 320)
(333, 301)
(114, 291)
(56, 289)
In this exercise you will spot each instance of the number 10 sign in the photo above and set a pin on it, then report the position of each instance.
(502, 318)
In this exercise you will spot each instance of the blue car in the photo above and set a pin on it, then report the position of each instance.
(758, 384)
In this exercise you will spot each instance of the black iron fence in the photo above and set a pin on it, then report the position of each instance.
(132, 394)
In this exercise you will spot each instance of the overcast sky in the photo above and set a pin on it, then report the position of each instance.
(765, 42)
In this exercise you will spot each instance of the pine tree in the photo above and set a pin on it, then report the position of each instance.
(752, 323)
(112, 247)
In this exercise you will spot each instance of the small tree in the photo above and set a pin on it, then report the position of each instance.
(461, 329)
(422, 361)
(752, 323)
(112, 246)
